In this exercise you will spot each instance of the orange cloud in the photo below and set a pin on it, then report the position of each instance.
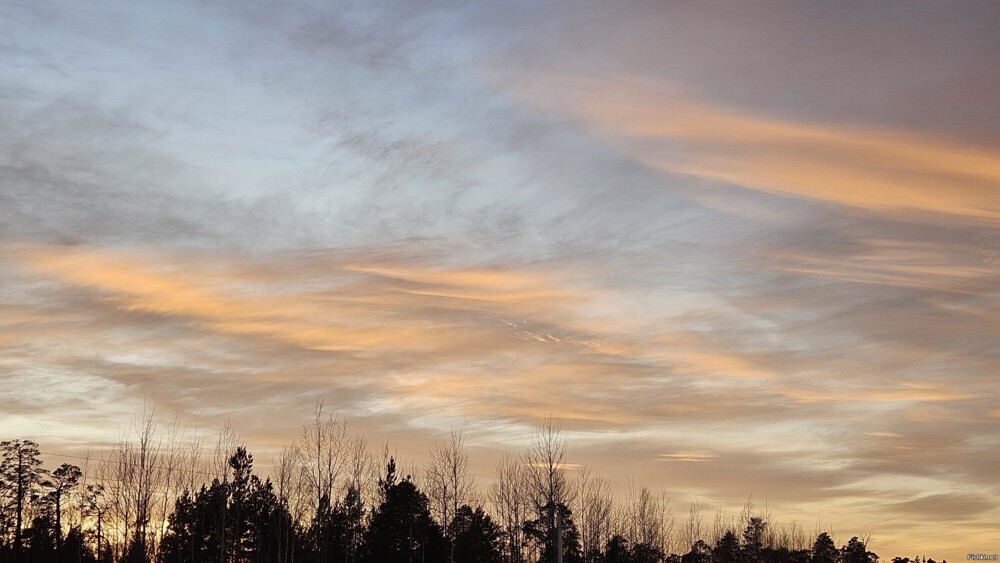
(908, 393)
(900, 264)
(347, 312)
(688, 456)
(865, 167)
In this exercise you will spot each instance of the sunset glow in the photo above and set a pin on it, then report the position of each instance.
(732, 249)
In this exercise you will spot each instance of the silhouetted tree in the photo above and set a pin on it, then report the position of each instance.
(855, 551)
(62, 481)
(646, 553)
(266, 523)
(449, 481)
(186, 532)
(40, 538)
(75, 547)
(254, 521)
(547, 536)
(824, 550)
(322, 449)
(727, 548)
(616, 550)
(700, 553)
(401, 528)
(329, 532)
(550, 490)
(511, 500)
(97, 503)
(239, 518)
(594, 513)
(353, 509)
(21, 470)
(648, 522)
(753, 539)
(475, 537)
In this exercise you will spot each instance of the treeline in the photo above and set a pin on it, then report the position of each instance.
(155, 497)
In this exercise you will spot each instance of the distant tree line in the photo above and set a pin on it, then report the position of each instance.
(155, 497)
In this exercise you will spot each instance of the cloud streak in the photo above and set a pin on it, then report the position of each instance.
(874, 169)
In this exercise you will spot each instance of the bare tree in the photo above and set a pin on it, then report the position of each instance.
(131, 475)
(98, 503)
(290, 489)
(321, 446)
(511, 501)
(225, 444)
(174, 462)
(692, 527)
(648, 519)
(720, 525)
(358, 463)
(449, 483)
(545, 466)
(595, 511)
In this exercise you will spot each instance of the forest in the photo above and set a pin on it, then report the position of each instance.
(163, 496)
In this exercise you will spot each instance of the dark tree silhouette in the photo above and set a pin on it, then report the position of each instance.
(645, 553)
(700, 553)
(335, 530)
(727, 548)
(753, 540)
(62, 481)
(238, 518)
(824, 550)
(21, 470)
(547, 531)
(616, 550)
(401, 528)
(475, 537)
(97, 503)
(855, 551)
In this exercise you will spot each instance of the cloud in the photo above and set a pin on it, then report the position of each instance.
(949, 506)
(878, 170)
(733, 251)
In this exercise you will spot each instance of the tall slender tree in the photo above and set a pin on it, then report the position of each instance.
(545, 469)
(449, 482)
(511, 500)
(61, 483)
(21, 468)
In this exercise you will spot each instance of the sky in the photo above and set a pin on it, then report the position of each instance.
(733, 249)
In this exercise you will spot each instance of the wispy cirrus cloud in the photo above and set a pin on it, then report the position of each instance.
(870, 168)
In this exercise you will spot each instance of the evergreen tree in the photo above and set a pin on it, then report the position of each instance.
(856, 552)
(700, 553)
(645, 553)
(727, 549)
(401, 529)
(21, 472)
(544, 532)
(61, 483)
(239, 520)
(753, 540)
(616, 550)
(476, 538)
(824, 550)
